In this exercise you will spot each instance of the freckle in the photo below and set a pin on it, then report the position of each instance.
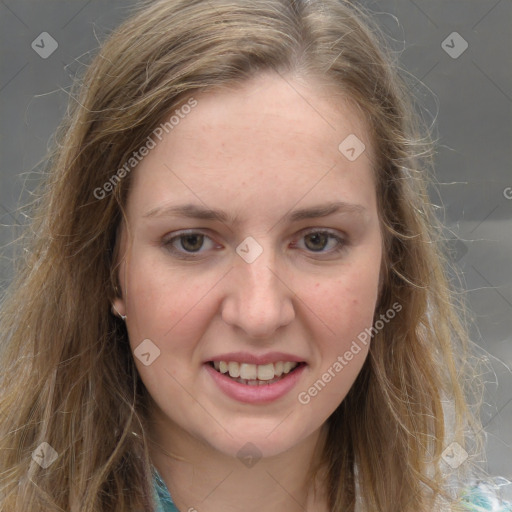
(317, 285)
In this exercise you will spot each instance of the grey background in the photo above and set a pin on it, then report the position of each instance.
(468, 99)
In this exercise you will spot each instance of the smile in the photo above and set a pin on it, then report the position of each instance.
(255, 374)
(255, 383)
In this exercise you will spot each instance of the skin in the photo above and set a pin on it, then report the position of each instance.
(258, 151)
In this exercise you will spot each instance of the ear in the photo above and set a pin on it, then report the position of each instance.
(119, 306)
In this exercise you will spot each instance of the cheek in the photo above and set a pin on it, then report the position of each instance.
(155, 301)
(164, 314)
(169, 307)
(347, 306)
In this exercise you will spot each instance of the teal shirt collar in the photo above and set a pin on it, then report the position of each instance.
(162, 495)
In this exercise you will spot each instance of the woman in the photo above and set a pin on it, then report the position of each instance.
(233, 293)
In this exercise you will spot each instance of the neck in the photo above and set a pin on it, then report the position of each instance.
(200, 477)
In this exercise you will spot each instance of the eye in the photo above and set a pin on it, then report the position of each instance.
(318, 240)
(187, 243)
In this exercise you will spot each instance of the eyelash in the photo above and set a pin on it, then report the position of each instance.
(168, 244)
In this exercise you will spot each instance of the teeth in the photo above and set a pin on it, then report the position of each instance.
(254, 374)
(266, 372)
(234, 369)
(248, 371)
(288, 366)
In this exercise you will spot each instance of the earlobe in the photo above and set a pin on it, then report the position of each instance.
(118, 308)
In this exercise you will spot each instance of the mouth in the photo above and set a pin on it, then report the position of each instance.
(256, 374)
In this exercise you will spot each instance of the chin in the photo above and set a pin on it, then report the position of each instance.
(250, 438)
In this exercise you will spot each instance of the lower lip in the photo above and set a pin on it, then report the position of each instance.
(255, 394)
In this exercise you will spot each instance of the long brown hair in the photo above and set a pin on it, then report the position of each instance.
(68, 376)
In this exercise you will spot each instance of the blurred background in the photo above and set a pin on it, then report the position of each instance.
(455, 53)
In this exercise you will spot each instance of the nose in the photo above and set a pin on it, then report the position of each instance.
(258, 300)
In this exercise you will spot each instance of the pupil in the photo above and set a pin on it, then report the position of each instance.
(316, 236)
(192, 247)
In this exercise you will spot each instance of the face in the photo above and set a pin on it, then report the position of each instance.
(250, 264)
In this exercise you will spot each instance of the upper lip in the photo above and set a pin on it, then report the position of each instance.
(246, 357)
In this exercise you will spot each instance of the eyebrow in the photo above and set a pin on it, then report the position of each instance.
(199, 212)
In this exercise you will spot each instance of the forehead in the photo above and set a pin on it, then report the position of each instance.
(275, 108)
(273, 135)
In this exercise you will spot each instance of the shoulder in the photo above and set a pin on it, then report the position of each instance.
(485, 496)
